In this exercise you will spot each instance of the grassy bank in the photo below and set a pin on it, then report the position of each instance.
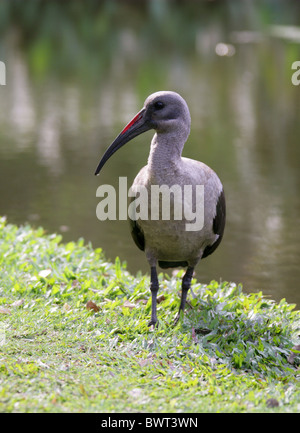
(74, 337)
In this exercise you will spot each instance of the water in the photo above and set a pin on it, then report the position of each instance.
(70, 89)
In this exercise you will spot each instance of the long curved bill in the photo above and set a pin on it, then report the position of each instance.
(135, 127)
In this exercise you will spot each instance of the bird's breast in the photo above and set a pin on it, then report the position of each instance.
(178, 209)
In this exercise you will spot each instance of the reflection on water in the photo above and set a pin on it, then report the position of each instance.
(66, 99)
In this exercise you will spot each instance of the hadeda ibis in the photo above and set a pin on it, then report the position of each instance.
(167, 242)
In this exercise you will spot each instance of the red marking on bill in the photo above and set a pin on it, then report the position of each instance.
(132, 122)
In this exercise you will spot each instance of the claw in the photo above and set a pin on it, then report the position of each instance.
(154, 324)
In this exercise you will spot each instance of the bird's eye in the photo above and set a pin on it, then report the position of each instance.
(159, 105)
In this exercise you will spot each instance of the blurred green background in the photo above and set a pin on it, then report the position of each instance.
(77, 71)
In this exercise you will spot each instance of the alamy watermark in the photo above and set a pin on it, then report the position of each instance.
(157, 202)
(296, 75)
(2, 74)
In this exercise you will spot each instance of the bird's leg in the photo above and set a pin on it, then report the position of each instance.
(154, 289)
(186, 284)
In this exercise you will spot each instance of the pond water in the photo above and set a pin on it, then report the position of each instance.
(70, 88)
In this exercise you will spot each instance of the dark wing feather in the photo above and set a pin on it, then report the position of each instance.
(218, 224)
(137, 234)
(166, 265)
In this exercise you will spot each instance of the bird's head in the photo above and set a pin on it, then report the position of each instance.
(165, 112)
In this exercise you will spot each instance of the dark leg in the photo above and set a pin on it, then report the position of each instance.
(154, 289)
(186, 284)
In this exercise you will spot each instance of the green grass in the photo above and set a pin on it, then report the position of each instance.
(228, 354)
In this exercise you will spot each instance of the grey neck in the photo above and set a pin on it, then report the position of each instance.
(165, 155)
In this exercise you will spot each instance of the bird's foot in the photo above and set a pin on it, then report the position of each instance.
(177, 317)
(153, 323)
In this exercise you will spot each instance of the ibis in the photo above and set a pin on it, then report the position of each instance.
(167, 242)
